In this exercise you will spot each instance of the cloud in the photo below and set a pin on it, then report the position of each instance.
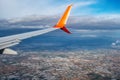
(20, 8)
(16, 8)
(110, 21)
(88, 36)
(84, 3)
(116, 44)
(104, 22)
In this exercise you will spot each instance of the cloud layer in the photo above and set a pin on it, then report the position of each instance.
(20, 8)
(96, 22)
(77, 22)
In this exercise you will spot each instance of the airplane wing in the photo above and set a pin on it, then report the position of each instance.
(8, 41)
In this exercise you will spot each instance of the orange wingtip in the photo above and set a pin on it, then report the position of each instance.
(63, 20)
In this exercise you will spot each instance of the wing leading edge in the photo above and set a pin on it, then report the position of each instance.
(16, 39)
(12, 40)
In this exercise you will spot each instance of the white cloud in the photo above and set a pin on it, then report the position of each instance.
(84, 3)
(110, 21)
(88, 36)
(20, 8)
(116, 44)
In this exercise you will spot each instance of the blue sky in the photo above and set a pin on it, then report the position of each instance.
(22, 8)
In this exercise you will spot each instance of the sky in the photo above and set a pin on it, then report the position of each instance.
(22, 8)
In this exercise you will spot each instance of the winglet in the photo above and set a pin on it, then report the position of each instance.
(63, 20)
